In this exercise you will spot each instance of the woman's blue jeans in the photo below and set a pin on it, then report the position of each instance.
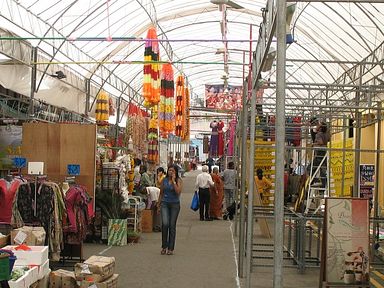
(169, 214)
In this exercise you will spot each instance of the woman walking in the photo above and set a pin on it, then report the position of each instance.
(217, 195)
(169, 205)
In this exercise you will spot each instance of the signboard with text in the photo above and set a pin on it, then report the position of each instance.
(366, 181)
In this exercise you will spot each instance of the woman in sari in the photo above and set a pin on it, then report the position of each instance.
(217, 195)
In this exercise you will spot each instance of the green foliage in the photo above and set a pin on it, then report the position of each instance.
(110, 203)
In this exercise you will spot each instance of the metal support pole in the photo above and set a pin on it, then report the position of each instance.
(33, 82)
(87, 95)
(280, 146)
(236, 162)
(358, 137)
(243, 179)
(377, 173)
(119, 100)
(251, 174)
(343, 166)
(357, 155)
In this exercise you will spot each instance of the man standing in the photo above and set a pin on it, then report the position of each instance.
(229, 178)
(203, 182)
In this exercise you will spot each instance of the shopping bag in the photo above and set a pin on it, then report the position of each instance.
(195, 202)
(117, 232)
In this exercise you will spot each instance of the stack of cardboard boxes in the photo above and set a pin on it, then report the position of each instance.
(95, 272)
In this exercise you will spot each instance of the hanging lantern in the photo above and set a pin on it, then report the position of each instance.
(151, 84)
(167, 101)
(102, 108)
(180, 92)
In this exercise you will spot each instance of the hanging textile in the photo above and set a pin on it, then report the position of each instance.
(186, 122)
(7, 194)
(205, 144)
(180, 95)
(102, 108)
(151, 85)
(220, 141)
(153, 142)
(167, 101)
(232, 135)
(213, 144)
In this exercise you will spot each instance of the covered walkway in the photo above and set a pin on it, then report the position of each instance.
(204, 256)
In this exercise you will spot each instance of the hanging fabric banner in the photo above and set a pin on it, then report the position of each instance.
(167, 101)
(180, 95)
(186, 121)
(151, 85)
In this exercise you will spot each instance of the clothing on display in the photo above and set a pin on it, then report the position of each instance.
(7, 194)
(213, 144)
(232, 135)
(47, 211)
(220, 138)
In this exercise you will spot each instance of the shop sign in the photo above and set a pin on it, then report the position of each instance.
(73, 169)
(367, 181)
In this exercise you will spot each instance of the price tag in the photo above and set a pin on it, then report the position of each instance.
(85, 269)
(20, 237)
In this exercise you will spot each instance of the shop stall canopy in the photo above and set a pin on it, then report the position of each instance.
(101, 40)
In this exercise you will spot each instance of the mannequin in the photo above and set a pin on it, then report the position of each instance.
(65, 187)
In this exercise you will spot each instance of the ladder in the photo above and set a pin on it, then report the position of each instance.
(318, 184)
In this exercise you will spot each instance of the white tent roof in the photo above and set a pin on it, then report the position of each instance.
(322, 31)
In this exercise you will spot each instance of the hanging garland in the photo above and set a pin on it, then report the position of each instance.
(180, 95)
(151, 84)
(153, 142)
(186, 115)
(167, 101)
(102, 108)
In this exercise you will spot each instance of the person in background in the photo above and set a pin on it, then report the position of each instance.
(169, 206)
(136, 173)
(160, 175)
(321, 140)
(210, 162)
(145, 179)
(153, 199)
(263, 185)
(229, 178)
(216, 194)
(203, 182)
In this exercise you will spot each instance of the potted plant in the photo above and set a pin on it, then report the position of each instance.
(133, 236)
(349, 276)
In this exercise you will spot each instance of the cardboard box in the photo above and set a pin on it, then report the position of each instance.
(37, 256)
(146, 221)
(95, 269)
(42, 283)
(4, 240)
(62, 279)
(35, 235)
(109, 283)
(27, 280)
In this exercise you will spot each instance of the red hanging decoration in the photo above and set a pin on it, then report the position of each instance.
(180, 95)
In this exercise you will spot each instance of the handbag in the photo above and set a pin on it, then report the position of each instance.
(195, 202)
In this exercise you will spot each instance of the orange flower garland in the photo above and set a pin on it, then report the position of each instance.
(180, 95)
(167, 101)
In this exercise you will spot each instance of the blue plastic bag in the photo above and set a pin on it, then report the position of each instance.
(195, 202)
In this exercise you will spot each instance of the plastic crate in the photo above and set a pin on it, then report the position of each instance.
(4, 266)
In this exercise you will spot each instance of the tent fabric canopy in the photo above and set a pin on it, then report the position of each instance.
(340, 32)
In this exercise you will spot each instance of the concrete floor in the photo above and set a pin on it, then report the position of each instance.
(204, 256)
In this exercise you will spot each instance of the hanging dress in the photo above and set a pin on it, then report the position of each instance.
(213, 145)
(220, 144)
(232, 134)
(7, 194)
